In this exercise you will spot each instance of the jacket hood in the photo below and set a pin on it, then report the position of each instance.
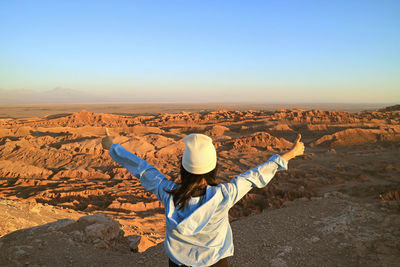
(194, 222)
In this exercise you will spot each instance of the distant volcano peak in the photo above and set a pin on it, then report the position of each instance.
(63, 90)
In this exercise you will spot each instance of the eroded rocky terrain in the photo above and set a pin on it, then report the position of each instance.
(57, 162)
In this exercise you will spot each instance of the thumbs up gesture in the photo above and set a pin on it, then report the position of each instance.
(297, 149)
(107, 141)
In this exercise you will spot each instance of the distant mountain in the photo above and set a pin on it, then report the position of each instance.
(61, 91)
(56, 95)
(390, 108)
(64, 95)
(67, 95)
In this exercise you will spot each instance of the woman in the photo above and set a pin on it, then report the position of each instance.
(198, 232)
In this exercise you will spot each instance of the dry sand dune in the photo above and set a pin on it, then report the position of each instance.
(55, 164)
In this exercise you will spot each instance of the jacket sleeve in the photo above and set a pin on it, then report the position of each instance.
(259, 177)
(150, 178)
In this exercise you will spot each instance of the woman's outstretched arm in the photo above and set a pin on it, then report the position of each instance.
(261, 175)
(150, 178)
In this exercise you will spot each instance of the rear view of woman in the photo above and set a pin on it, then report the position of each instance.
(198, 232)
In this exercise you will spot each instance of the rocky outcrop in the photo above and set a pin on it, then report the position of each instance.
(351, 137)
(98, 230)
(216, 130)
(260, 140)
(390, 108)
(19, 169)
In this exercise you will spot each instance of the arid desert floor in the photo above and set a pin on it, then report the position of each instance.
(337, 205)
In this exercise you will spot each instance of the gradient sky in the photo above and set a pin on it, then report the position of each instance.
(287, 51)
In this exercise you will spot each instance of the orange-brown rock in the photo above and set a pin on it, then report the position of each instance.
(58, 160)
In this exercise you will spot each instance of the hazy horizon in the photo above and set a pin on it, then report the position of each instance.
(68, 96)
(145, 108)
(262, 51)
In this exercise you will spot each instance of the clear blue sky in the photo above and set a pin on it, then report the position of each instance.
(305, 51)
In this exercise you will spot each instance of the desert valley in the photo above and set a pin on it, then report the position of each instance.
(337, 204)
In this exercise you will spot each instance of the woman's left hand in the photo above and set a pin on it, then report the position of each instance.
(107, 141)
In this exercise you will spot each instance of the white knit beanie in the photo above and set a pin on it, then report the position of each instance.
(200, 156)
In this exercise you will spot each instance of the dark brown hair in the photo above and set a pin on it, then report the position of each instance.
(190, 186)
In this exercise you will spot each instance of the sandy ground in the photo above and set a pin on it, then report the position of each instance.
(333, 230)
(53, 167)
